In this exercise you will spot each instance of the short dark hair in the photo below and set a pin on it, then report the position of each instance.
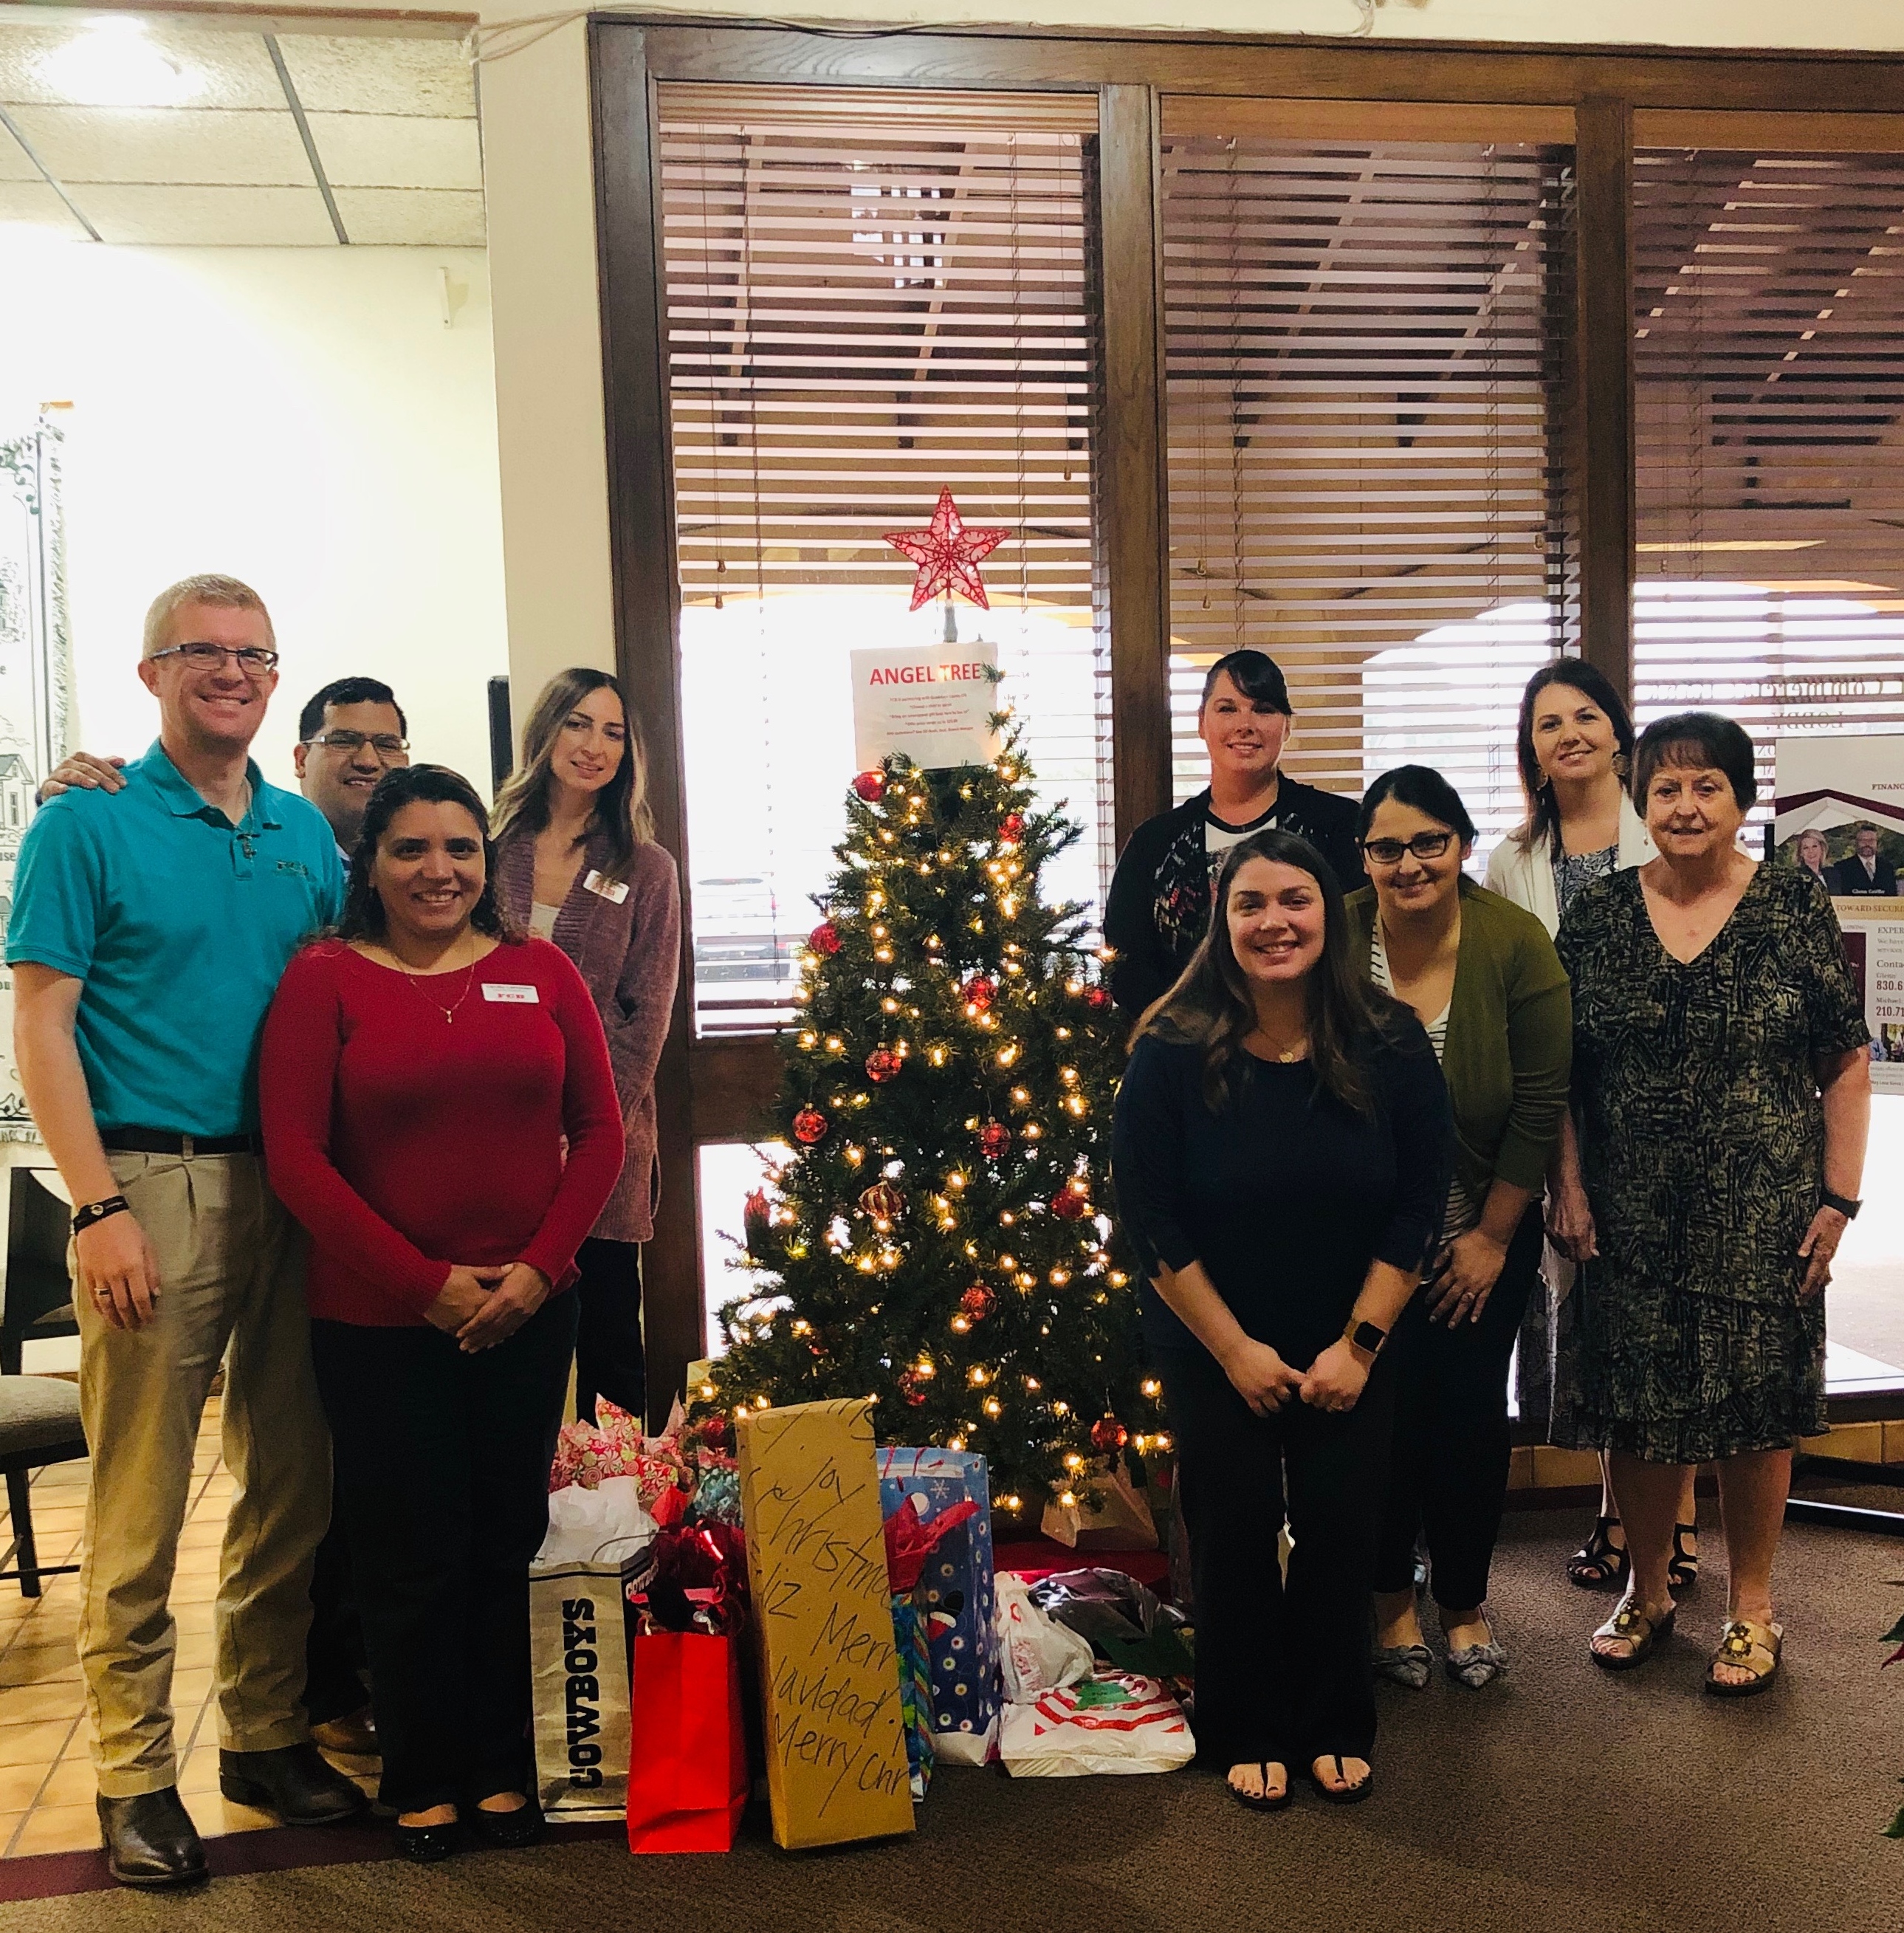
(1543, 822)
(1255, 675)
(1702, 740)
(362, 917)
(346, 691)
(1426, 790)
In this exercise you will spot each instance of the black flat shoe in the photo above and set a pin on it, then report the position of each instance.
(150, 1841)
(296, 1782)
(1350, 1795)
(427, 1845)
(1263, 1802)
(522, 1827)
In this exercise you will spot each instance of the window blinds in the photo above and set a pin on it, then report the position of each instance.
(1367, 373)
(1769, 366)
(869, 294)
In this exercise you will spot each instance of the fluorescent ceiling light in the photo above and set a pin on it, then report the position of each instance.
(112, 64)
(1738, 543)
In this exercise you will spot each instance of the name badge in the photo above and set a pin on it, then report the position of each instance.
(614, 891)
(510, 995)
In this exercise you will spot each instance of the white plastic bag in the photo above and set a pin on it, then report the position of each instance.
(1036, 1653)
(1112, 1722)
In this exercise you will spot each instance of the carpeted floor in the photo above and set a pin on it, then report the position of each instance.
(1563, 1799)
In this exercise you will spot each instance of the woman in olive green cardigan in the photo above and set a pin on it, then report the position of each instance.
(1484, 978)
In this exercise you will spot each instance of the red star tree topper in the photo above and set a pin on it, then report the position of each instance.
(948, 554)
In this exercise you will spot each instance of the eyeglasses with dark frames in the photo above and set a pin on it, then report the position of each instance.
(252, 660)
(1423, 846)
(386, 745)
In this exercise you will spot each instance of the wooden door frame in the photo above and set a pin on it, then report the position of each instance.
(721, 1090)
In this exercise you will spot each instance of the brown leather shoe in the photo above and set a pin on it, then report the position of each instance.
(150, 1840)
(354, 1735)
(294, 1781)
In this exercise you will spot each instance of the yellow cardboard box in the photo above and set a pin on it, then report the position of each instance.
(816, 1565)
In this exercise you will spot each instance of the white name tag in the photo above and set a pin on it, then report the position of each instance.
(511, 995)
(614, 891)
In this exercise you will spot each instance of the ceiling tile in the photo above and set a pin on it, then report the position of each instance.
(35, 204)
(398, 150)
(413, 218)
(264, 217)
(357, 73)
(234, 69)
(168, 144)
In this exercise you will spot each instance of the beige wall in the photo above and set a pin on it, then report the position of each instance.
(537, 141)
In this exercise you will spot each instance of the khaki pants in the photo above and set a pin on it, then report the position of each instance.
(231, 1281)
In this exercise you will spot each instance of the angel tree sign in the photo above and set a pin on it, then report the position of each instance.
(934, 703)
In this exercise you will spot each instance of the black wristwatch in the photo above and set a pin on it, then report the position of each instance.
(1844, 1205)
(97, 1211)
(1365, 1337)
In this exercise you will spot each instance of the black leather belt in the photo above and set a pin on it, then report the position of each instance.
(156, 1140)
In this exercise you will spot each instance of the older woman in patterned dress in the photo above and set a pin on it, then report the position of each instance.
(1722, 1095)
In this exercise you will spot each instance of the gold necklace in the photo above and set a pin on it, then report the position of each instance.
(416, 980)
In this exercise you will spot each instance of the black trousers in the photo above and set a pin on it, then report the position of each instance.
(334, 1653)
(1448, 1472)
(609, 1360)
(442, 1460)
(1282, 1671)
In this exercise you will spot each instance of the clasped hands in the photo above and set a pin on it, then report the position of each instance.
(1333, 1381)
(483, 1303)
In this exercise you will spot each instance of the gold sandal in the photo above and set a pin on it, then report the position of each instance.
(1751, 1647)
(1631, 1625)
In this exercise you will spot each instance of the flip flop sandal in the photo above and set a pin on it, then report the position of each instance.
(1346, 1795)
(1632, 1627)
(1265, 1802)
(1410, 1665)
(1599, 1564)
(1752, 1647)
(1682, 1566)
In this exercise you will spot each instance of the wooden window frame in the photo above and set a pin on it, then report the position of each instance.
(719, 1090)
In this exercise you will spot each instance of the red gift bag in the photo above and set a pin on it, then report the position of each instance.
(687, 1779)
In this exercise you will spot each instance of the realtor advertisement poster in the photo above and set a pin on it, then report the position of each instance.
(934, 703)
(1839, 814)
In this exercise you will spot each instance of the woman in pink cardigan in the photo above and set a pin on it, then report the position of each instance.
(577, 863)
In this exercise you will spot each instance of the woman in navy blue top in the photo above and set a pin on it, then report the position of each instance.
(1281, 1153)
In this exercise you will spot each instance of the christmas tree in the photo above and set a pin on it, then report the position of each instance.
(941, 1240)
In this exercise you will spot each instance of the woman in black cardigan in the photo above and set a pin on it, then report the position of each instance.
(1281, 1152)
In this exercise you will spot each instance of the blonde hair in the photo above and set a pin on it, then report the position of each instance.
(207, 588)
(622, 815)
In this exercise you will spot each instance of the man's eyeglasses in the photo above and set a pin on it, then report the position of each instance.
(386, 745)
(254, 660)
(1423, 846)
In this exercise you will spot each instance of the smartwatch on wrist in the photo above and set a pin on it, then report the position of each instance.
(1844, 1205)
(1365, 1337)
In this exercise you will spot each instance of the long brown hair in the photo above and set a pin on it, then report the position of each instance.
(1211, 1005)
(623, 815)
(1542, 823)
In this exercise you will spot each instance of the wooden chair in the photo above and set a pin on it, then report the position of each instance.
(39, 1415)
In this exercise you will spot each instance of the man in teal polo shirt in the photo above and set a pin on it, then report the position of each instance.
(148, 935)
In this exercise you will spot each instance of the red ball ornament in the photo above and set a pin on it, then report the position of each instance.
(977, 1302)
(713, 1431)
(1109, 1435)
(871, 786)
(1069, 1205)
(1011, 826)
(882, 1064)
(809, 1125)
(1097, 999)
(993, 1140)
(825, 939)
(979, 992)
(909, 1388)
(883, 1202)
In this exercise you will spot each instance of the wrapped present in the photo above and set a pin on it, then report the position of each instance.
(913, 1533)
(1111, 1514)
(955, 1597)
(1111, 1722)
(816, 1569)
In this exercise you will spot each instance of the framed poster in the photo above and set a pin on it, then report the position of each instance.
(36, 682)
(1840, 812)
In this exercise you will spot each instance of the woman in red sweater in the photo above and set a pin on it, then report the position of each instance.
(421, 1069)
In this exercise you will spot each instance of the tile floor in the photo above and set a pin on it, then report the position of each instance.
(47, 1784)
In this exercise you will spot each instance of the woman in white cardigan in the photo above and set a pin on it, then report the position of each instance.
(1573, 743)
